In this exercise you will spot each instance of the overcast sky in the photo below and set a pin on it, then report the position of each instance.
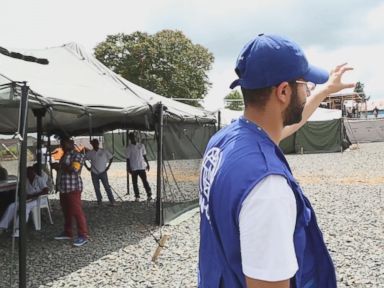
(330, 32)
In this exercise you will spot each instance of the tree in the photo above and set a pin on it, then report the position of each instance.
(234, 101)
(359, 88)
(167, 63)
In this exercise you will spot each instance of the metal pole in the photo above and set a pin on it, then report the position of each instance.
(341, 134)
(23, 127)
(39, 114)
(159, 208)
(49, 157)
(218, 120)
(90, 127)
(126, 143)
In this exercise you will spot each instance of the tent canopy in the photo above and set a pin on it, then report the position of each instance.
(81, 95)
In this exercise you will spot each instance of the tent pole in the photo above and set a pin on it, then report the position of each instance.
(218, 120)
(90, 127)
(49, 159)
(341, 134)
(126, 143)
(39, 114)
(159, 208)
(113, 143)
(23, 127)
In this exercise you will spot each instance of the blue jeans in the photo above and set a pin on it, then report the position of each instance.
(103, 177)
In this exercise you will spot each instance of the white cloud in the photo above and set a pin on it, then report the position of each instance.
(46, 23)
(221, 76)
(375, 20)
(366, 61)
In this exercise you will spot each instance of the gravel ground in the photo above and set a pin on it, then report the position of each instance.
(346, 190)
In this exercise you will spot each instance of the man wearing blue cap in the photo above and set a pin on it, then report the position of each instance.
(257, 227)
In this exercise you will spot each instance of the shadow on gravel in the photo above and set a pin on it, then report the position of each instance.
(111, 228)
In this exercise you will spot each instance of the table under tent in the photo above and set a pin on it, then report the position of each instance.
(75, 94)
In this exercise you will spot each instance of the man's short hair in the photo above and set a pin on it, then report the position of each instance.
(31, 169)
(64, 139)
(256, 97)
(259, 97)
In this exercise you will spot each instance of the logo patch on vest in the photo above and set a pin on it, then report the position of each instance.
(211, 163)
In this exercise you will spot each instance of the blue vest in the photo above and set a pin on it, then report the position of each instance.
(236, 159)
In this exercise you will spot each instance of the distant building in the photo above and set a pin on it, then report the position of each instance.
(371, 105)
(353, 106)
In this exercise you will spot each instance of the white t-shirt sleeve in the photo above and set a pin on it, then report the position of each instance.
(267, 222)
(37, 186)
(108, 154)
(42, 183)
(143, 151)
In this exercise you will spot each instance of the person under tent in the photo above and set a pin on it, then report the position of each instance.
(35, 186)
(137, 165)
(101, 160)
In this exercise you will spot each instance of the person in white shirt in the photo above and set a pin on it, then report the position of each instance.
(48, 180)
(44, 156)
(137, 165)
(36, 186)
(101, 160)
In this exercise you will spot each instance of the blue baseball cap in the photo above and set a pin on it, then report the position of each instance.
(268, 60)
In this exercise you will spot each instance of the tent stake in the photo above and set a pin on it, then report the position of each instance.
(160, 247)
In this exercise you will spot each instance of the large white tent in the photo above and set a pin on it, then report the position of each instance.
(80, 93)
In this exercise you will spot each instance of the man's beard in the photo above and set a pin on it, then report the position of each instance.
(294, 112)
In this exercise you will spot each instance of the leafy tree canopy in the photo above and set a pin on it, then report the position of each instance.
(167, 63)
(234, 101)
(359, 88)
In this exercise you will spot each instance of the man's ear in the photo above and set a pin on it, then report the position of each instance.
(283, 93)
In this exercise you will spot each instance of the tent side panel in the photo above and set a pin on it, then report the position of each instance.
(365, 131)
(117, 143)
(319, 137)
(288, 144)
(186, 141)
(184, 146)
(174, 210)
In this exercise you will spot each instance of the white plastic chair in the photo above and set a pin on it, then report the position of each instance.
(42, 202)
